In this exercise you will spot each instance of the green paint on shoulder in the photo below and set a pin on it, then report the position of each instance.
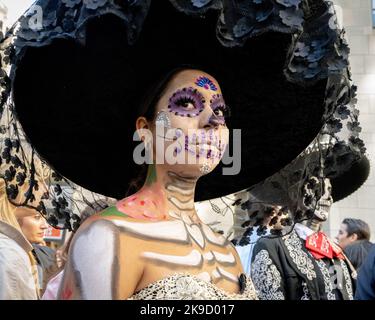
(112, 211)
(151, 174)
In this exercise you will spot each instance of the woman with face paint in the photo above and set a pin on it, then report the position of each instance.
(152, 244)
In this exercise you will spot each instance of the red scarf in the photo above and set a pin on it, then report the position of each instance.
(320, 247)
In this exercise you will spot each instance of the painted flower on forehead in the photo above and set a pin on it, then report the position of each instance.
(206, 83)
(186, 102)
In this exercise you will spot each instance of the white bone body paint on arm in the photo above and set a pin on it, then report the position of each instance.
(94, 261)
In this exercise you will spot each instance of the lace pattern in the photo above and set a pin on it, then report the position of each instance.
(306, 292)
(348, 279)
(266, 277)
(182, 286)
(299, 257)
(328, 287)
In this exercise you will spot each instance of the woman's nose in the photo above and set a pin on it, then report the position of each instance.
(209, 119)
(44, 224)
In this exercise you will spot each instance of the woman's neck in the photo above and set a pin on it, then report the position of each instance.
(175, 188)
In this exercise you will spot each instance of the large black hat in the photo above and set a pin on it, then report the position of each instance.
(74, 78)
(350, 181)
(296, 190)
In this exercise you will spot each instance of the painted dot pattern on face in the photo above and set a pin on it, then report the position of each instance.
(206, 83)
(186, 102)
(220, 109)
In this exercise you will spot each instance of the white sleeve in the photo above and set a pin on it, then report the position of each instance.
(16, 280)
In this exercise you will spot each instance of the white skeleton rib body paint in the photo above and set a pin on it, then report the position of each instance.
(209, 257)
(225, 274)
(164, 231)
(193, 259)
(174, 215)
(187, 205)
(215, 275)
(196, 233)
(186, 219)
(183, 231)
(97, 273)
(224, 258)
(174, 189)
(212, 237)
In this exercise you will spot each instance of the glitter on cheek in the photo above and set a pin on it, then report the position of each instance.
(163, 119)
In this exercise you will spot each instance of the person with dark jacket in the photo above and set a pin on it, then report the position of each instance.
(357, 252)
(366, 278)
(304, 264)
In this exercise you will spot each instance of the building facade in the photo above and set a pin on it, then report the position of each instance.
(357, 17)
(3, 17)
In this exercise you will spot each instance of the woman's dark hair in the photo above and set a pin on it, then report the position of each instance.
(148, 110)
(359, 227)
(156, 90)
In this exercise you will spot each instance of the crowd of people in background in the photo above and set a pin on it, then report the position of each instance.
(22, 248)
(354, 238)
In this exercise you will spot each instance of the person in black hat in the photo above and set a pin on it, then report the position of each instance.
(77, 79)
(163, 242)
(305, 264)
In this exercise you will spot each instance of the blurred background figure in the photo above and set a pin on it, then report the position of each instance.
(354, 238)
(53, 285)
(366, 278)
(18, 268)
(33, 227)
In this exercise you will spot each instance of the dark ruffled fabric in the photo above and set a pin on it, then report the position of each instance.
(332, 153)
(318, 51)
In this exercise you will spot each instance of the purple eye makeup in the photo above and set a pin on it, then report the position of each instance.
(220, 109)
(186, 102)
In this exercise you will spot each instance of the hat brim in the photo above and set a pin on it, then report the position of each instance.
(350, 181)
(78, 102)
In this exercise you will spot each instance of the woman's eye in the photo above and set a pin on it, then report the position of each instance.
(219, 112)
(186, 103)
(222, 111)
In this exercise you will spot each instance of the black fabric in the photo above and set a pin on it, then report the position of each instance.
(357, 252)
(87, 98)
(350, 181)
(291, 276)
(366, 278)
(73, 83)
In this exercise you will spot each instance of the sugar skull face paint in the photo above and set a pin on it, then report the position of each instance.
(206, 144)
(186, 102)
(199, 115)
(206, 83)
(220, 109)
